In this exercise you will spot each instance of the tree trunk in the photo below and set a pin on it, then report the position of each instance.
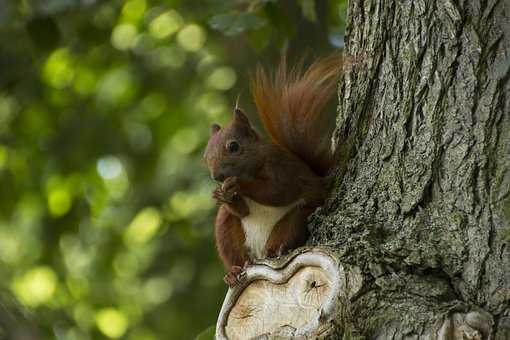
(423, 206)
(421, 202)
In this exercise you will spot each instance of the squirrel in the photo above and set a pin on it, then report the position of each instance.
(270, 187)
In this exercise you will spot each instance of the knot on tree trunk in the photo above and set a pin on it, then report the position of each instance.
(301, 295)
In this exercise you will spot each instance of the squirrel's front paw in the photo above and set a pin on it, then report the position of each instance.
(235, 276)
(231, 187)
(227, 192)
(220, 196)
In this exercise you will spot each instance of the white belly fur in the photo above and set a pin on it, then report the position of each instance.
(259, 224)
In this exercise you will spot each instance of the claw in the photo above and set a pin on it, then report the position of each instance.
(235, 276)
(236, 270)
(220, 196)
(230, 188)
(229, 279)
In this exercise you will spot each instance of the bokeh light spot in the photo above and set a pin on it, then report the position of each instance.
(212, 103)
(109, 167)
(222, 78)
(8, 107)
(124, 36)
(171, 56)
(126, 264)
(75, 257)
(157, 290)
(134, 10)
(165, 24)
(152, 106)
(111, 322)
(58, 70)
(191, 37)
(112, 171)
(118, 86)
(184, 204)
(143, 227)
(3, 156)
(185, 140)
(59, 201)
(36, 286)
(10, 244)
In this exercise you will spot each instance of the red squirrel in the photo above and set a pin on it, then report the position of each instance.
(269, 187)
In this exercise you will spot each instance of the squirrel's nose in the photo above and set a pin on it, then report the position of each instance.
(219, 177)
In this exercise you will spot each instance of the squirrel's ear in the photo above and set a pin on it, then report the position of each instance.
(214, 128)
(240, 117)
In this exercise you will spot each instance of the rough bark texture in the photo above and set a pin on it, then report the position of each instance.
(422, 204)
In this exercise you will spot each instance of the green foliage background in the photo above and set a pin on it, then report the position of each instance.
(105, 209)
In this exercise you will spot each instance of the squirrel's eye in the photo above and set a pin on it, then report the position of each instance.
(233, 146)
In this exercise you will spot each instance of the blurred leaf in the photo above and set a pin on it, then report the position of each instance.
(191, 37)
(308, 9)
(207, 334)
(237, 23)
(58, 69)
(48, 7)
(143, 227)
(259, 39)
(279, 19)
(166, 24)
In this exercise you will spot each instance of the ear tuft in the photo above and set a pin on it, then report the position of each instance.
(240, 117)
(214, 128)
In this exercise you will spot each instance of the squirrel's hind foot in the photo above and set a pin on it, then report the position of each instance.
(235, 276)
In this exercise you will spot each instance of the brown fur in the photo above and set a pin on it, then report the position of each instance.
(289, 233)
(285, 171)
(243, 164)
(238, 207)
(291, 104)
(283, 179)
(230, 239)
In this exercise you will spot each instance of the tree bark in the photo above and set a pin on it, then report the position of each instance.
(420, 205)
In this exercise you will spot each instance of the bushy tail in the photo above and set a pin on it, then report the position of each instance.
(291, 102)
